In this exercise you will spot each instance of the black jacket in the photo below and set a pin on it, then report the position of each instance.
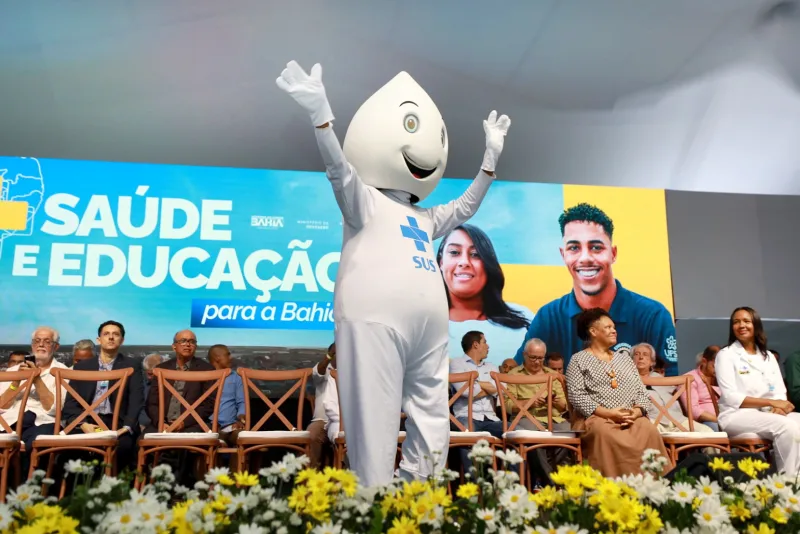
(132, 397)
(191, 392)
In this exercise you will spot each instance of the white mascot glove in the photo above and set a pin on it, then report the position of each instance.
(496, 130)
(307, 90)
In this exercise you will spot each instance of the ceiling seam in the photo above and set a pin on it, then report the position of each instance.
(537, 35)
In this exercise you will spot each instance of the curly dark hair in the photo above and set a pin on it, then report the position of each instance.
(584, 212)
(587, 318)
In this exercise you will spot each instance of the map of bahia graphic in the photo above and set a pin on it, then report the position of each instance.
(21, 194)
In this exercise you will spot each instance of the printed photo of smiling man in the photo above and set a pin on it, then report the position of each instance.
(474, 282)
(589, 254)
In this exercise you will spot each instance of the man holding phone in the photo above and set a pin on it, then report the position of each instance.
(39, 416)
(534, 352)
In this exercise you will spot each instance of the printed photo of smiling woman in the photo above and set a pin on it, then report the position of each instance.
(474, 281)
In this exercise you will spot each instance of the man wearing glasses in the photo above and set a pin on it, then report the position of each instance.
(184, 343)
(184, 464)
(39, 416)
(534, 352)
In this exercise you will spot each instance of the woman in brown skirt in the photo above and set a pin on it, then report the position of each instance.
(609, 400)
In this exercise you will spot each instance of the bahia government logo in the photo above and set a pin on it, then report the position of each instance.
(420, 237)
(266, 222)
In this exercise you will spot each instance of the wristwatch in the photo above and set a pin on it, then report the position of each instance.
(328, 355)
(766, 409)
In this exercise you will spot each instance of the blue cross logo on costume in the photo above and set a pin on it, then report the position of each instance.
(420, 238)
(413, 231)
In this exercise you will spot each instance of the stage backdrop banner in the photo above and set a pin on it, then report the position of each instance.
(249, 257)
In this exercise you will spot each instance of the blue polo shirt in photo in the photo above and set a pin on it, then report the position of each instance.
(638, 320)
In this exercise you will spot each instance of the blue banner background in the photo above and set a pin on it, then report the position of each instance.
(269, 211)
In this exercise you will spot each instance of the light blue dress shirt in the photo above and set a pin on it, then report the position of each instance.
(482, 408)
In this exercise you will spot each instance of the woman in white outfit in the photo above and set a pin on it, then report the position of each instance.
(753, 396)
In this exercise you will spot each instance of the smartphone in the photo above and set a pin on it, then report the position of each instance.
(31, 358)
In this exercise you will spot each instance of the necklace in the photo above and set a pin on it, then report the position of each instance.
(612, 373)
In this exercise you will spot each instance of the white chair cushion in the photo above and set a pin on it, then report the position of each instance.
(538, 434)
(275, 434)
(746, 435)
(695, 435)
(106, 434)
(181, 435)
(9, 437)
(470, 434)
(400, 434)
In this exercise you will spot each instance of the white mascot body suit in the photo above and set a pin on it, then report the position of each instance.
(390, 306)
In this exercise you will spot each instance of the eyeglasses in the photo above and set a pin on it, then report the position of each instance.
(535, 358)
(46, 342)
(186, 342)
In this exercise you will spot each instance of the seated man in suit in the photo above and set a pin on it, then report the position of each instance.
(110, 336)
(184, 343)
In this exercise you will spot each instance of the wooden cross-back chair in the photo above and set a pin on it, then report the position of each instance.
(104, 441)
(340, 443)
(747, 442)
(253, 438)
(684, 438)
(11, 436)
(466, 436)
(526, 441)
(169, 436)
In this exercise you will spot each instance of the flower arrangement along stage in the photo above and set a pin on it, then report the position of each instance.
(288, 498)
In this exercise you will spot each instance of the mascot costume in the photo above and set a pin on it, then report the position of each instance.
(390, 306)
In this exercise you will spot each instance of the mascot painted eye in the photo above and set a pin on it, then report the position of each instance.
(411, 123)
(390, 305)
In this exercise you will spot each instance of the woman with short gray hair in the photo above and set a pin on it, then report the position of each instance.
(644, 357)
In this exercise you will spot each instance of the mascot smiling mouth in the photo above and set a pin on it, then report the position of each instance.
(418, 172)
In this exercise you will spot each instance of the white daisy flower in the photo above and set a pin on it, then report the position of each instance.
(513, 498)
(432, 517)
(571, 529)
(215, 473)
(509, 457)
(252, 529)
(683, 493)
(327, 528)
(6, 516)
(790, 502)
(711, 514)
(707, 488)
(78, 467)
(486, 514)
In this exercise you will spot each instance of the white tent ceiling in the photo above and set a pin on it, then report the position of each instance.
(589, 84)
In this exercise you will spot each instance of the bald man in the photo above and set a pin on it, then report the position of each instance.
(184, 464)
(507, 365)
(231, 406)
(184, 343)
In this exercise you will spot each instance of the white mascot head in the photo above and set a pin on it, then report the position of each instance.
(397, 139)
